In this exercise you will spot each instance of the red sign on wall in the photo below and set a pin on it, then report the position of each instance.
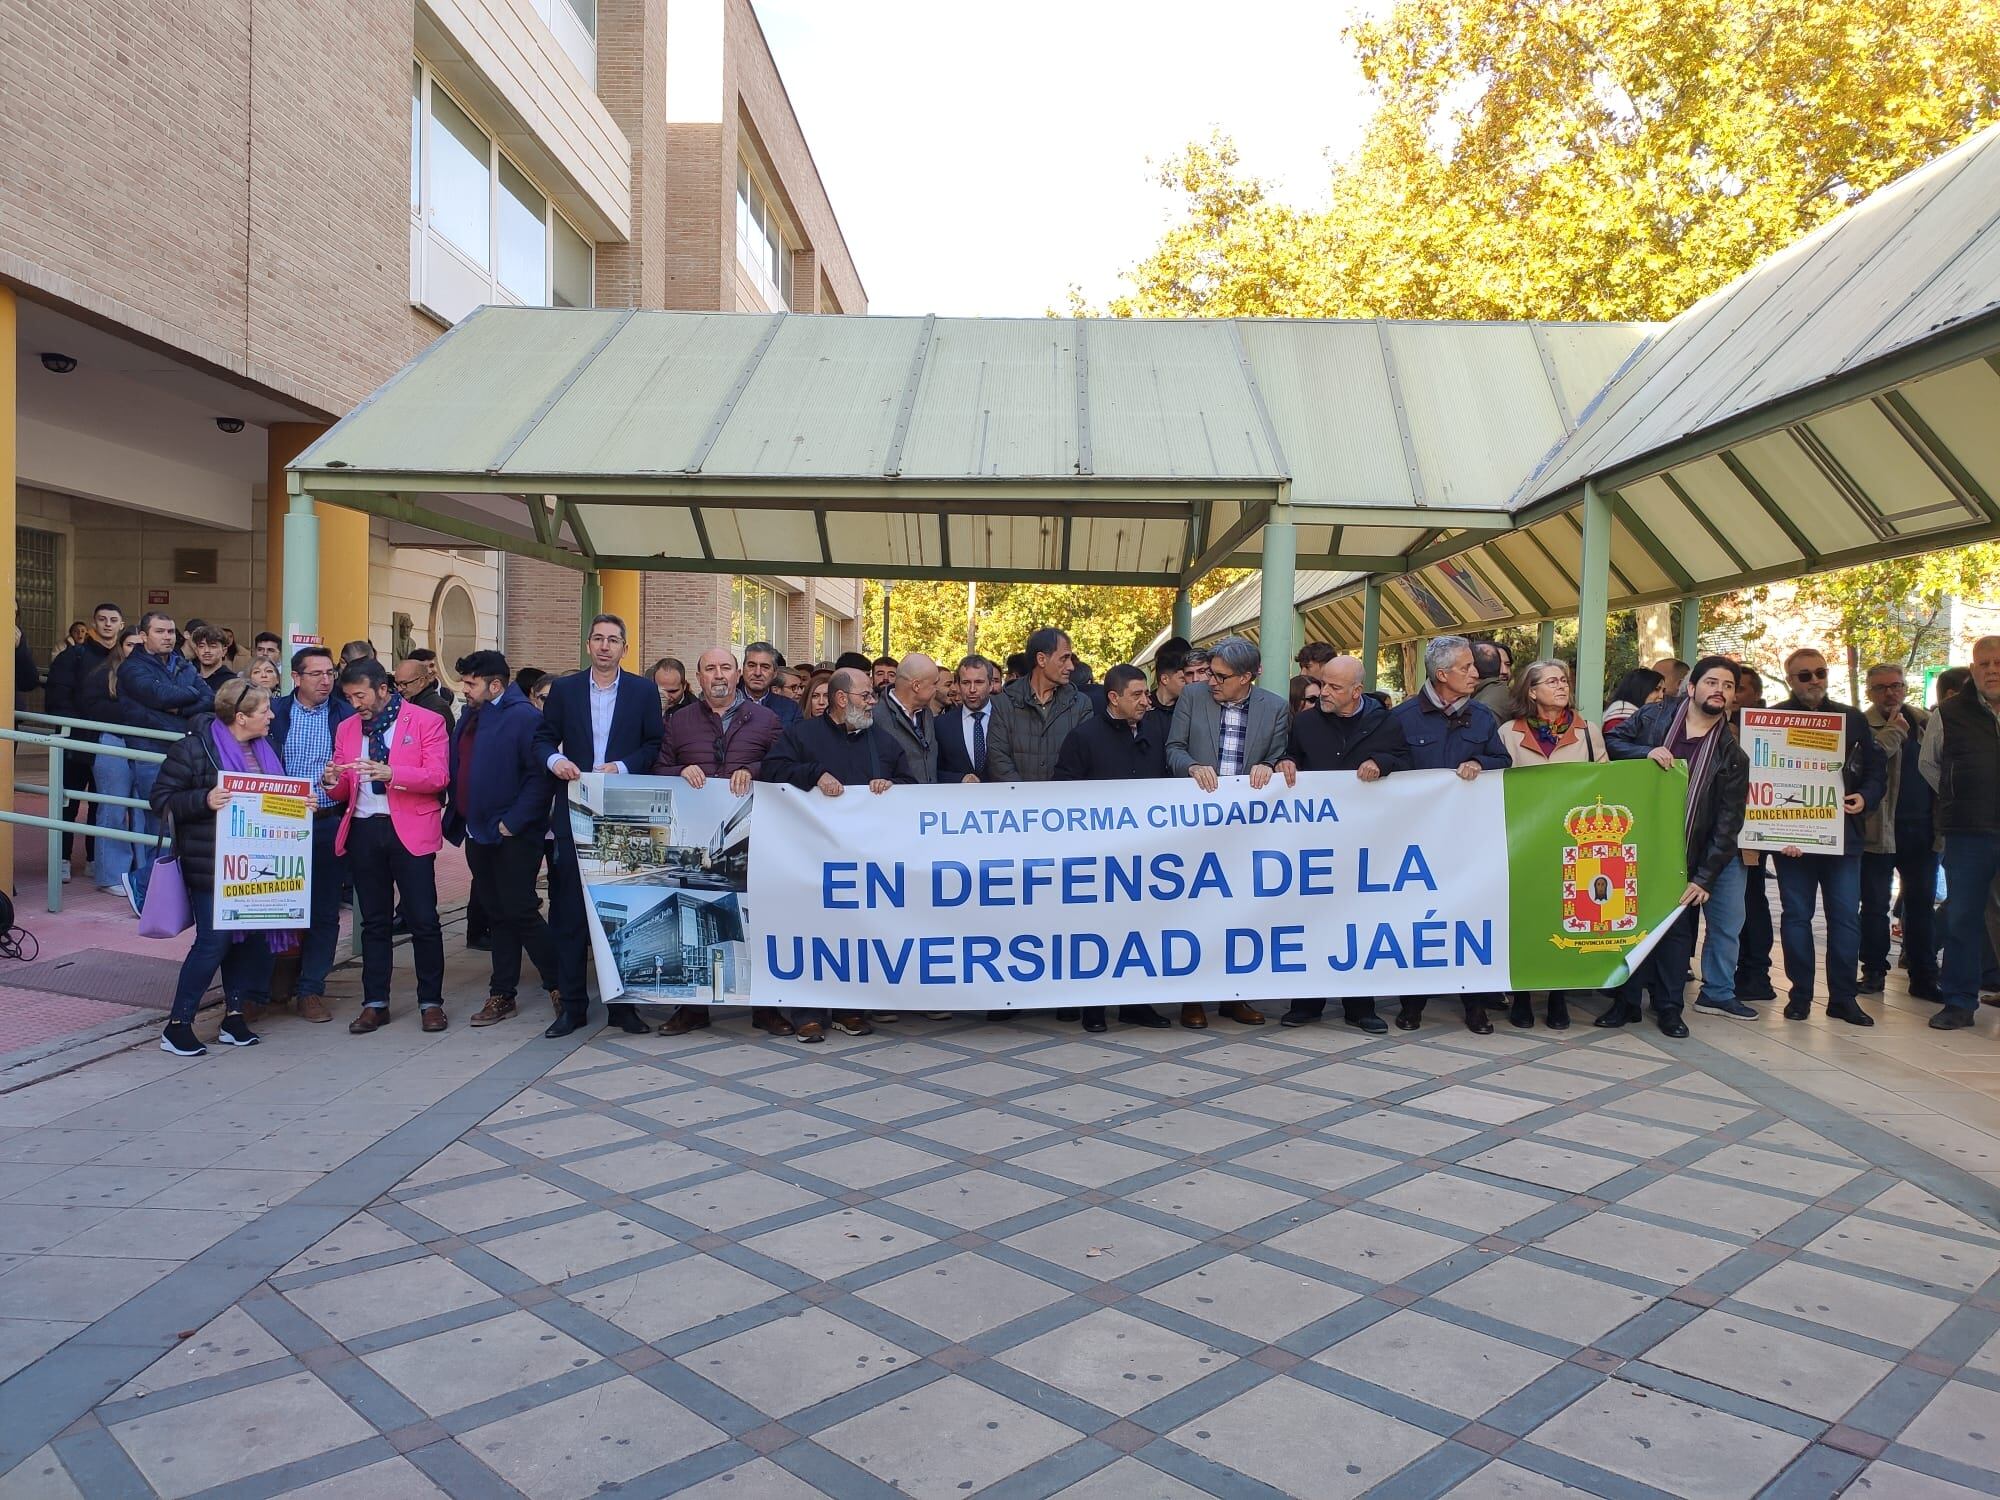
(156, 596)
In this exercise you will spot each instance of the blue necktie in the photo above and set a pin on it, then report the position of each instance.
(979, 742)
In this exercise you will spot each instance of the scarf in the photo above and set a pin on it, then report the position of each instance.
(1701, 766)
(1458, 710)
(378, 731)
(231, 754)
(1548, 731)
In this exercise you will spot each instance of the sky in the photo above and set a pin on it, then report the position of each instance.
(983, 157)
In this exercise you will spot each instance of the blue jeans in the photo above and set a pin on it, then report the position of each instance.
(322, 937)
(113, 777)
(245, 965)
(1722, 918)
(144, 774)
(1971, 865)
(1835, 880)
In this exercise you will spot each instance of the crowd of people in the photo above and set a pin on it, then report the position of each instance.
(399, 764)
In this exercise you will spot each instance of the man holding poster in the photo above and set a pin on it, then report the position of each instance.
(1841, 754)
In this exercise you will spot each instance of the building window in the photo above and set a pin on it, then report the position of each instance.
(454, 625)
(574, 24)
(754, 611)
(826, 636)
(480, 230)
(760, 242)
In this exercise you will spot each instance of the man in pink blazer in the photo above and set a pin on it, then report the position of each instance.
(391, 763)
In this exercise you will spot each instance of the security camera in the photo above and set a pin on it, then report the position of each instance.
(229, 424)
(58, 364)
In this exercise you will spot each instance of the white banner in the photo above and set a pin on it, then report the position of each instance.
(1796, 786)
(263, 853)
(1092, 893)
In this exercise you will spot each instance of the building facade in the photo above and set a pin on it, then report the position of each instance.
(221, 229)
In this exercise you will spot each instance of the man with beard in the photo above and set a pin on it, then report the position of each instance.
(1832, 879)
(843, 747)
(1693, 730)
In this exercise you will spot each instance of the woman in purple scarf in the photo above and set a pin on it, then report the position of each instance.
(186, 798)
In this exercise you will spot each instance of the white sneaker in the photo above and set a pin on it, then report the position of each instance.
(65, 872)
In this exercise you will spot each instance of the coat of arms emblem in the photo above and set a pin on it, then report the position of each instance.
(1600, 878)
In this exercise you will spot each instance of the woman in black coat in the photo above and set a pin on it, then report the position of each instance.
(186, 798)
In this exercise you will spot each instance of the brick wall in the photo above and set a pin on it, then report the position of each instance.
(631, 80)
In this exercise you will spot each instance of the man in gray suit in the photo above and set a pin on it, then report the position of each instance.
(1228, 726)
(908, 717)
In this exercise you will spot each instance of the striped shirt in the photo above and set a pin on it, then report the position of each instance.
(1235, 729)
(309, 745)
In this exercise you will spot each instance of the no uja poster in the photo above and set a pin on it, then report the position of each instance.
(994, 897)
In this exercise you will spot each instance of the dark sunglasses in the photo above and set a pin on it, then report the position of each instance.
(1810, 674)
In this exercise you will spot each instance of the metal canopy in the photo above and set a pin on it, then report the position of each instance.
(1113, 450)
(1838, 404)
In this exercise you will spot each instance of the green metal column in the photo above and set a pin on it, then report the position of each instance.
(1275, 611)
(1545, 639)
(301, 573)
(1371, 631)
(1593, 605)
(593, 605)
(1688, 644)
(1183, 614)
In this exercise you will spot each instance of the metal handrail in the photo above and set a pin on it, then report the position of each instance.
(57, 795)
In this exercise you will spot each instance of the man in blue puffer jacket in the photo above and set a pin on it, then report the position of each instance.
(158, 688)
(1448, 731)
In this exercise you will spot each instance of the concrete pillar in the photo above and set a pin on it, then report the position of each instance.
(1545, 640)
(1183, 614)
(593, 605)
(1371, 631)
(1689, 632)
(1275, 613)
(1593, 605)
(1655, 631)
(619, 588)
(300, 584)
(9, 461)
(284, 442)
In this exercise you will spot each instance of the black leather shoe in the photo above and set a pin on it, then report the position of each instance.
(1096, 1024)
(1521, 1012)
(1671, 1025)
(1851, 1013)
(1616, 1015)
(1067, 1013)
(1798, 1010)
(1143, 1015)
(1408, 1019)
(626, 1019)
(1295, 1019)
(1373, 1025)
(1558, 1013)
(1951, 1018)
(1870, 983)
(563, 1025)
(1476, 1022)
(1925, 989)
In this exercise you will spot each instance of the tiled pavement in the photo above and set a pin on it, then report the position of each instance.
(1010, 1260)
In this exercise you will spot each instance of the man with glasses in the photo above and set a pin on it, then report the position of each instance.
(1834, 880)
(417, 680)
(302, 726)
(1228, 726)
(842, 747)
(726, 736)
(1899, 841)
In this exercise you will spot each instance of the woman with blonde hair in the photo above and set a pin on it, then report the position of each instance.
(1546, 730)
(186, 798)
(264, 673)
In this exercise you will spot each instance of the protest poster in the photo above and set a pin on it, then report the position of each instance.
(1795, 780)
(263, 853)
(995, 897)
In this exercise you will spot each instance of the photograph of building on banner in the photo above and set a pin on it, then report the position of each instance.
(666, 868)
(1796, 786)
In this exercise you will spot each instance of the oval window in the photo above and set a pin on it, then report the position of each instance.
(454, 626)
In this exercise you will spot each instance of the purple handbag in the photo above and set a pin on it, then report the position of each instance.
(166, 913)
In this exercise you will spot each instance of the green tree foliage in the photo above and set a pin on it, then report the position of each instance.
(1894, 611)
(1106, 625)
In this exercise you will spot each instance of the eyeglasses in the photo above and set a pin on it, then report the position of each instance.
(1810, 674)
(1216, 674)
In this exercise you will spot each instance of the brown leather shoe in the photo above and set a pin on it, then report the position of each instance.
(811, 1031)
(313, 1008)
(1194, 1017)
(434, 1018)
(1241, 1012)
(496, 1008)
(372, 1018)
(685, 1018)
(768, 1019)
